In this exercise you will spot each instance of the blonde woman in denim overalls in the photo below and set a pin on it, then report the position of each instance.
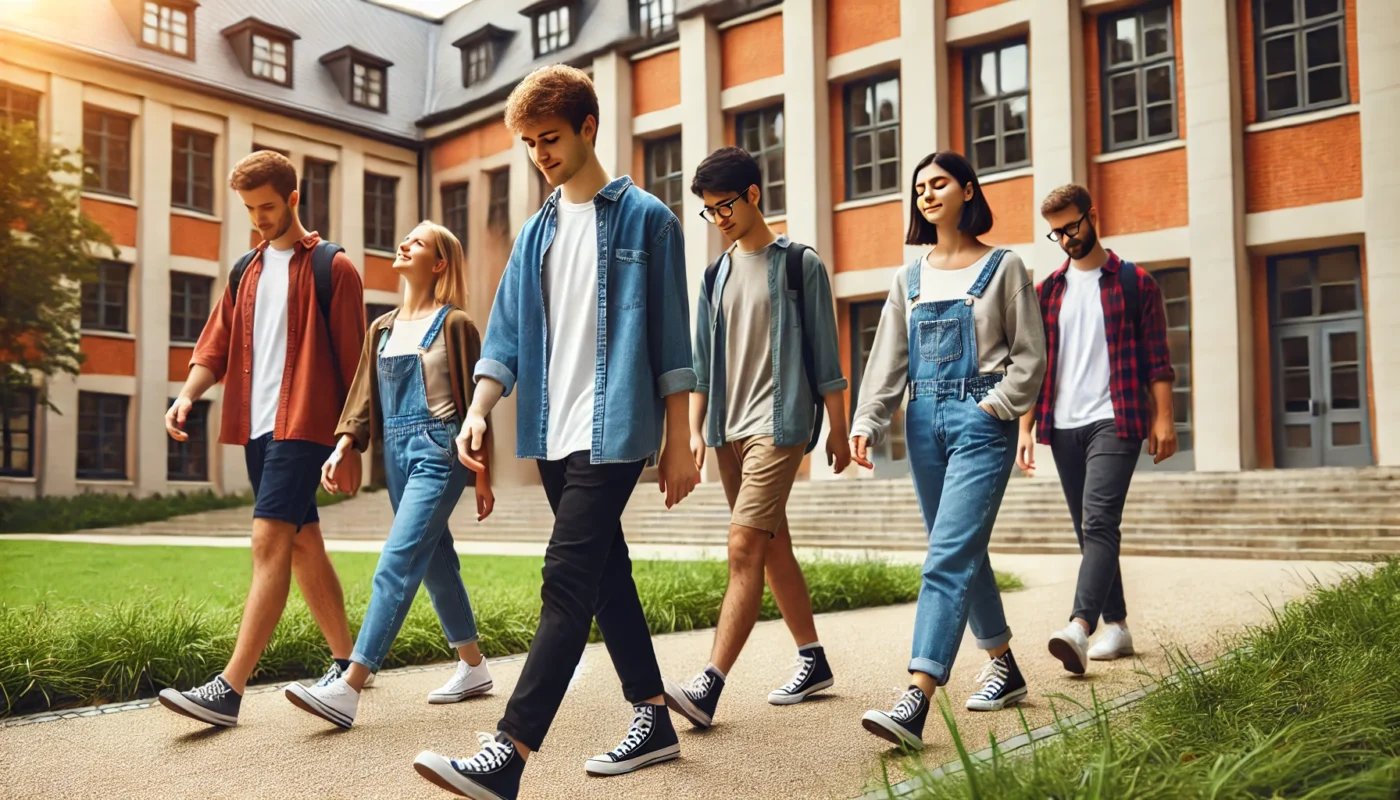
(411, 391)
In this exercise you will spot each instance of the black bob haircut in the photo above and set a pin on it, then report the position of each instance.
(976, 216)
(728, 169)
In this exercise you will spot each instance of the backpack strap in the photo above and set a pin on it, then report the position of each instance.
(321, 260)
(235, 275)
(1130, 282)
(795, 254)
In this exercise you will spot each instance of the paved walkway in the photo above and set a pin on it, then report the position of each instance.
(813, 750)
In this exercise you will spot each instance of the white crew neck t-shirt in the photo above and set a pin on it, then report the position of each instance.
(269, 340)
(1081, 372)
(571, 295)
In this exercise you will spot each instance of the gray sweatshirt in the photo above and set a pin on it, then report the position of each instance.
(1010, 340)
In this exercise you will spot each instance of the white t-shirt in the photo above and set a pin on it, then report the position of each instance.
(571, 293)
(946, 284)
(269, 340)
(1081, 375)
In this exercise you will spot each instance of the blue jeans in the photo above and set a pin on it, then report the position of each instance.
(425, 480)
(960, 457)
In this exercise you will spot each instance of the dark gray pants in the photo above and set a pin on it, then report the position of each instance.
(1096, 468)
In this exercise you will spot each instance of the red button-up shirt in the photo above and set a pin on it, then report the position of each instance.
(321, 356)
(1128, 346)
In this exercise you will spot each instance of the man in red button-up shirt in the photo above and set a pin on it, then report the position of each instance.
(286, 371)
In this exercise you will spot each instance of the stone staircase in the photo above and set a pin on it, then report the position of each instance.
(1325, 514)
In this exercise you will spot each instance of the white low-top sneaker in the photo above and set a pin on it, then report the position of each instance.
(334, 702)
(1114, 642)
(468, 681)
(1069, 645)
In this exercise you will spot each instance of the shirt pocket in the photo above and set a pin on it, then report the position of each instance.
(940, 340)
(629, 284)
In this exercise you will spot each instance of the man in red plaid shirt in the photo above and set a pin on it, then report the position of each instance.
(1108, 386)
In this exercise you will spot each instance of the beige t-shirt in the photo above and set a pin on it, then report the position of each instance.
(404, 339)
(748, 346)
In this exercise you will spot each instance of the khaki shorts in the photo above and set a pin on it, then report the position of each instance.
(757, 477)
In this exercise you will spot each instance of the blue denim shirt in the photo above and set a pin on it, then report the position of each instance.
(643, 349)
(793, 413)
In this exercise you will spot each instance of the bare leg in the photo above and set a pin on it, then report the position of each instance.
(742, 599)
(321, 587)
(470, 653)
(267, 597)
(789, 588)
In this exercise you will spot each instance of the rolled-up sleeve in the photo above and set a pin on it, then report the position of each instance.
(668, 313)
(500, 352)
(211, 351)
(821, 334)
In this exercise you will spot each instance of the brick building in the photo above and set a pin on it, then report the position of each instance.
(1245, 151)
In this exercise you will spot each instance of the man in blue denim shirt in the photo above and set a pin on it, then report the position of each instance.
(591, 324)
(754, 321)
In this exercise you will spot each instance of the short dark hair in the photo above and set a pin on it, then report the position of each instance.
(728, 169)
(976, 216)
(1071, 194)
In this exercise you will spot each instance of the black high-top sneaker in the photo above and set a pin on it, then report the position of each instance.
(491, 774)
(697, 699)
(1002, 685)
(650, 739)
(215, 702)
(813, 675)
(904, 724)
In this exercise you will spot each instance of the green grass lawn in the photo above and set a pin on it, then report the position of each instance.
(105, 510)
(1307, 707)
(86, 623)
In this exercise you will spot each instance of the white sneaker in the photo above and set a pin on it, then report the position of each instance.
(468, 681)
(334, 702)
(1114, 642)
(1069, 645)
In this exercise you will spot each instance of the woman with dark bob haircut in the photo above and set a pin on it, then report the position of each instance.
(961, 333)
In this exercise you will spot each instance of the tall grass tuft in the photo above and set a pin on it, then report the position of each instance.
(52, 657)
(1308, 706)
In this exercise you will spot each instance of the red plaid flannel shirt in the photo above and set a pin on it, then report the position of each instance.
(1128, 346)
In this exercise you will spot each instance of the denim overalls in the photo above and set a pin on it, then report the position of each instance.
(425, 479)
(960, 457)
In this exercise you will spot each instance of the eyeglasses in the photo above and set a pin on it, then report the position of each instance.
(725, 210)
(1071, 230)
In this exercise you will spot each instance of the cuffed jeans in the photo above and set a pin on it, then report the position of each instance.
(960, 457)
(425, 480)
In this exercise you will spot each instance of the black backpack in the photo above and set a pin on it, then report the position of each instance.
(321, 259)
(795, 253)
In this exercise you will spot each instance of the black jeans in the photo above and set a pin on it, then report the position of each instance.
(1096, 468)
(587, 574)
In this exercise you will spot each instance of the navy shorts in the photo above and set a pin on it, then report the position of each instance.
(285, 474)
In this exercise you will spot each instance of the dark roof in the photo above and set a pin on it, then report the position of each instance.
(425, 80)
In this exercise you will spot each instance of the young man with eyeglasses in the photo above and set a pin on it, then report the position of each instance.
(1108, 386)
(767, 366)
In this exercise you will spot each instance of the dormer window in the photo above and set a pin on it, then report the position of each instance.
(480, 49)
(363, 78)
(655, 19)
(168, 27)
(367, 87)
(264, 50)
(551, 25)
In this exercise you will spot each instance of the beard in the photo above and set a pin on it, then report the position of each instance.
(1079, 248)
(283, 225)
